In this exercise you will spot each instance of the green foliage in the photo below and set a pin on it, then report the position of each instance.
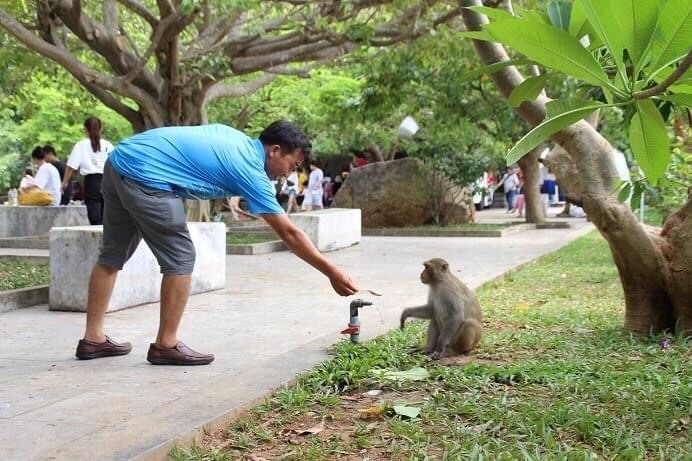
(633, 45)
(46, 107)
(649, 140)
(560, 114)
(460, 158)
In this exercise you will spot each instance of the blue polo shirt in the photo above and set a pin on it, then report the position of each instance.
(199, 162)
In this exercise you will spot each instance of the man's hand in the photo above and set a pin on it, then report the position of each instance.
(342, 283)
(299, 243)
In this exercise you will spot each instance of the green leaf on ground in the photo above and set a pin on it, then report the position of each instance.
(412, 374)
(409, 412)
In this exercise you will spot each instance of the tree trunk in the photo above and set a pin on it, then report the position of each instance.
(532, 188)
(653, 264)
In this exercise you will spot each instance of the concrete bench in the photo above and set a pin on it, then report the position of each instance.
(17, 221)
(332, 228)
(74, 250)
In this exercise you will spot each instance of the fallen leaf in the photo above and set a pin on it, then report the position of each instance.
(316, 429)
(413, 374)
(350, 397)
(372, 412)
(409, 412)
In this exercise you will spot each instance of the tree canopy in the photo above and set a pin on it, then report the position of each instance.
(160, 63)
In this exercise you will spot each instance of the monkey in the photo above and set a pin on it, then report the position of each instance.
(455, 315)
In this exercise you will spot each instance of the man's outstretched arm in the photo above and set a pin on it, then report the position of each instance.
(300, 244)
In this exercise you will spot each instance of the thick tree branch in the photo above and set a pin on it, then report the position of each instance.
(164, 30)
(508, 78)
(141, 11)
(104, 43)
(243, 65)
(672, 78)
(79, 70)
(110, 16)
(212, 35)
(222, 90)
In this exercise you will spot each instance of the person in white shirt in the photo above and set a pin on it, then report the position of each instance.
(509, 182)
(47, 178)
(291, 190)
(89, 157)
(313, 193)
(28, 180)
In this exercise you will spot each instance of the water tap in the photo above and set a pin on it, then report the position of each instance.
(353, 328)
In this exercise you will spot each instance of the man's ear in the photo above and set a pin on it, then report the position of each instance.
(274, 150)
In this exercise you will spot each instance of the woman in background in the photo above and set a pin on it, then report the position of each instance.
(88, 157)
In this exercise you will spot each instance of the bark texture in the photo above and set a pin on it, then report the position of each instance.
(653, 264)
(532, 187)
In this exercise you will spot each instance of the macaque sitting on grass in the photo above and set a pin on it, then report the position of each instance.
(455, 315)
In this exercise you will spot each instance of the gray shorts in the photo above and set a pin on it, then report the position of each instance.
(132, 211)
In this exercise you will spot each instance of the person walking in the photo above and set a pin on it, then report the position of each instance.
(145, 180)
(89, 157)
(509, 183)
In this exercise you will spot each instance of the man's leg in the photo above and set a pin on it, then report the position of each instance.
(175, 290)
(100, 289)
(120, 240)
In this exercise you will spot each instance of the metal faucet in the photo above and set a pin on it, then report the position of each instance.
(353, 328)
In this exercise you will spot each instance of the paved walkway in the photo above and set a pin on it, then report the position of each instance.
(274, 320)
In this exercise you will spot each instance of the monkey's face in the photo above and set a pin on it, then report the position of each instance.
(427, 276)
(435, 270)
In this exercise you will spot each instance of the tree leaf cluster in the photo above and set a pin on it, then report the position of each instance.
(629, 50)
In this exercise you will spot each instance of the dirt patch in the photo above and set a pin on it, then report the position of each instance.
(356, 428)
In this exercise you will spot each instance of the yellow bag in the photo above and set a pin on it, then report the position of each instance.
(36, 197)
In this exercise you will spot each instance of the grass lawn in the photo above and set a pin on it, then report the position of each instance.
(555, 377)
(19, 274)
(246, 239)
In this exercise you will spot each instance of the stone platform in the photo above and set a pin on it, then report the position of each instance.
(17, 221)
(332, 228)
(74, 250)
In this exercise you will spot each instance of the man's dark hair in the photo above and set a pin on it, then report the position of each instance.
(37, 153)
(288, 136)
(48, 149)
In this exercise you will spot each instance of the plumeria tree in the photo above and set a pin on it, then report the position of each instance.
(636, 55)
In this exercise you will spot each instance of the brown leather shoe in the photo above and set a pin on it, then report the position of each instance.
(87, 350)
(178, 355)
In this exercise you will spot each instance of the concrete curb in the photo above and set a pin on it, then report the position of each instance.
(34, 242)
(226, 418)
(31, 259)
(514, 229)
(23, 297)
(256, 248)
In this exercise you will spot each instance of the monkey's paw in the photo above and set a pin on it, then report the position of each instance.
(418, 350)
(437, 355)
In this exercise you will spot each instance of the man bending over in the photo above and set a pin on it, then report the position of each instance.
(145, 180)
